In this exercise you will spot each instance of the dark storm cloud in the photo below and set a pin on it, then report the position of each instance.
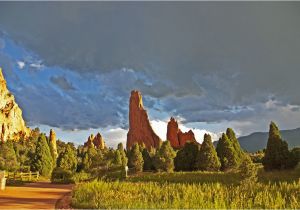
(62, 82)
(205, 61)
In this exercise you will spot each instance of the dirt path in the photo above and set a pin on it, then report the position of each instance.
(41, 195)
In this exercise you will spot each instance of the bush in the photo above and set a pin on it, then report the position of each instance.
(81, 177)
(61, 176)
(248, 170)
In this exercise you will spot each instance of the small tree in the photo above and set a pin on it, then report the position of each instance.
(135, 159)
(226, 153)
(148, 157)
(236, 145)
(277, 153)
(207, 159)
(248, 170)
(43, 161)
(185, 159)
(8, 158)
(164, 157)
(68, 159)
(124, 159)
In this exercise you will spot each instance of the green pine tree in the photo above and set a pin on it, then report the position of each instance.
(277, 153)
(148, 157)
(164, 157)
(207, 159)
(226, 153)
(43, 161)
(185, 159)
(68, 159)
(8, 158)
(124, 158)
(135, 159)
(235, 143)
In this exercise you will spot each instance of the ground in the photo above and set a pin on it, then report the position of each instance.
(39, 195)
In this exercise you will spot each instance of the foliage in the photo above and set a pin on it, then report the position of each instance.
(60, 175)
(67, 160)
(207, 158)
(185, 159)
(42, 161)
(277, 155)
(257, 157)
(102, 195)
(124, 159)
(164, 158)
(236, 145)
(148, 157)
(248, 170)
(81, 177)
(8, 158)
(226, 153)
(135, 159)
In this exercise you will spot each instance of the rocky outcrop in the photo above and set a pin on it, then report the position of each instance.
(140, 130)
(53, 147)
(176, 137)
(12, 125)
(97, 142)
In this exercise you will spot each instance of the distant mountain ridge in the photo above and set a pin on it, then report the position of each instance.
(258, 140)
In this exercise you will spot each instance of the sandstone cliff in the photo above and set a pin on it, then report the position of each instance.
(140, 130)
(176, 137)
(53, 147)
(12, 125)
(97, 141)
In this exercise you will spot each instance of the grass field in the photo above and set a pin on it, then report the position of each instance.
(277, 189)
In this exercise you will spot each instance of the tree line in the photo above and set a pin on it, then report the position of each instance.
(37, 154)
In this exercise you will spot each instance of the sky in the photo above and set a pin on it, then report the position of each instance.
(211, 65)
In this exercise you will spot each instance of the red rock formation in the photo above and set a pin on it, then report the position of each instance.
(176, 137)
(97, 141)
(172, 133)
(140, 130)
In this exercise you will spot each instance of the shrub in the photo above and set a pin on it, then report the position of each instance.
(60, 175)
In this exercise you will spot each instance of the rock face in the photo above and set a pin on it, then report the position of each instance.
(140, 130)
(97, 141)
(176, 137)
(52, 139)
(12, 125)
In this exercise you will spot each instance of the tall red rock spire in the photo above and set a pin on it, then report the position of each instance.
(176, 137)
(140, 130)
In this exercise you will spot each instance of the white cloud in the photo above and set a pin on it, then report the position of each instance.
(21, 64)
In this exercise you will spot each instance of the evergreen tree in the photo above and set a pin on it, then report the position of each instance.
(68, 159)
(135, 159)
(117, 158)
(43, 161)
(277, 153)
(124, 159)
(148, 157)
(207, 159)
(248, 170)
(185, 159)
(164, 157)
(235, 143)
(226, 153)
(8, 158)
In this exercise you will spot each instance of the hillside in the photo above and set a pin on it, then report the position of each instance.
(258, 140)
